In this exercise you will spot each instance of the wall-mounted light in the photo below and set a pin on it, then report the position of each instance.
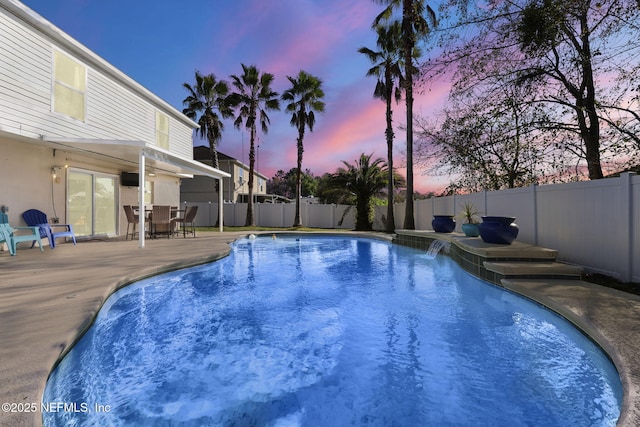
(54, 171)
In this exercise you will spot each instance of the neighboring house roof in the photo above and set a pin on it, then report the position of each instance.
(634, 169)
(201, 154)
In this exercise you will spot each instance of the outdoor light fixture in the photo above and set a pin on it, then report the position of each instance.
(54, 172)
(55, 169)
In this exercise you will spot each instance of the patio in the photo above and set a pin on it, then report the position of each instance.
(47, 299)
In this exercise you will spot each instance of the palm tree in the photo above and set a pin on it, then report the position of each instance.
(363, 180)
(414, 25)
(208, 99)
(304, 98)
(388, 69)
(253, 98)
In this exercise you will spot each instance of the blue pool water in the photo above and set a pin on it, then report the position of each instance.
(329, 331)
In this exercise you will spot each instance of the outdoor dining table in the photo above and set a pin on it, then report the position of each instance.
(175, 212)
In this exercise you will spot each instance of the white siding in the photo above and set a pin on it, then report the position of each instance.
(180, 138)
(25, 79)
(114, 111)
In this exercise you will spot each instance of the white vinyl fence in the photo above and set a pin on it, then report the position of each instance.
(595, 224)
(278, 215)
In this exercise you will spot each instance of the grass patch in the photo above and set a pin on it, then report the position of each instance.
(600, 279)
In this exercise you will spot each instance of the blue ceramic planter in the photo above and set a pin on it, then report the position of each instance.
(471, 230)
(443, 223)
(498, 229)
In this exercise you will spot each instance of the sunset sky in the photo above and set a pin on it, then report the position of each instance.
(160, 43)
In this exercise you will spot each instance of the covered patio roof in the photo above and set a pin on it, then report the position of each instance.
(140, 156)
(127, 154)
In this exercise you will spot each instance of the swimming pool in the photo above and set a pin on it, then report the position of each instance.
(330, 331)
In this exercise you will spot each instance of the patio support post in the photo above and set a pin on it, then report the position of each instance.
(220, 207)
(141, 210)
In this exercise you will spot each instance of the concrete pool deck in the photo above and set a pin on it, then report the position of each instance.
(47, 299)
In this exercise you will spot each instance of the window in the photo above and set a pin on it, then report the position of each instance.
(162, 130)
(69, 86)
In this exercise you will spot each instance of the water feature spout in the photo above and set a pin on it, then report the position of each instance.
(436, 246)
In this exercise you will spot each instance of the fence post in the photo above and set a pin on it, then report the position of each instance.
(626, 219)
(333, 215)
(433, 209)
(486, 207)
(534, 202)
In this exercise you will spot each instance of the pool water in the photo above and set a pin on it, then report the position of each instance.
(330, 331)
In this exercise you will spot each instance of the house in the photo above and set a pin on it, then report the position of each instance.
(201, 189)
(78, 138)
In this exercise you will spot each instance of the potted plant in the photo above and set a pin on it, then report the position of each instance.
(443, 223)
(498, 229)
(470, 215)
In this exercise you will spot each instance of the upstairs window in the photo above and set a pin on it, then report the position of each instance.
(69, 86)
(162, 130)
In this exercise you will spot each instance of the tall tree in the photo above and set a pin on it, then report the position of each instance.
(418, 19)
(284, 183)
(304, 99)
(387, 69)
(581, 56)
(486, 141)
(207, 104)
(253, 98)
(363, 180)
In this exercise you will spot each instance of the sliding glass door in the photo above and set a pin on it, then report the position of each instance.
(92, 206)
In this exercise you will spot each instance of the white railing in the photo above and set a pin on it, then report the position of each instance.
(595, 224)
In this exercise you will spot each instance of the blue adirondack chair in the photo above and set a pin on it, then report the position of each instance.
(36, 218)
(8, 235)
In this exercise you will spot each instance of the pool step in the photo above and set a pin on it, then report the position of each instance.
(492, 262)
(534, 269)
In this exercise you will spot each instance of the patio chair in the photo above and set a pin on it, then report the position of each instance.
(8, 235)
(132, 218)
(4, 219)
(36, 218)
(161, 221)
(188, 220)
